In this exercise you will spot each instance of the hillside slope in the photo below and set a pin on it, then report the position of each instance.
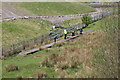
(15, 9)
(93, 55)
(23, 29)
(56, 8)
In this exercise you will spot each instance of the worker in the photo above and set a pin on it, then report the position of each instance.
(55, 37)
(81, 30)
(65, 33)
(53, 27)
(73, 33)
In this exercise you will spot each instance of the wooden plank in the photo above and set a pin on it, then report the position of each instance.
(43, 47)
(47, 46)
(29, 51)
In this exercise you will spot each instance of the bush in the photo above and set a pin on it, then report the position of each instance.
(62, 66)
(86, 19)
(41, 74)
(44, 63)
(50, 61)
(11, 68)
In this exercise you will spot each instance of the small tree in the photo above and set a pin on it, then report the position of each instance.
(86, 19)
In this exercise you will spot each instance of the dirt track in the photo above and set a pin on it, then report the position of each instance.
(59, 19)
(53, 19)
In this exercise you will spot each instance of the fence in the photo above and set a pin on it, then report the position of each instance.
(18, 47)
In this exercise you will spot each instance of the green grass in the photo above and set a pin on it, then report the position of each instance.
(27, 65)
(23, 29)
(108, 23)
(97, 52)
(71, 22)
(55, 8)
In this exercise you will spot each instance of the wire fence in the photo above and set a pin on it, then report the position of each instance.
(23, 45)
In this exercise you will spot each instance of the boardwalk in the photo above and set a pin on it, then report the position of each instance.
(45, 46)
(50, 45)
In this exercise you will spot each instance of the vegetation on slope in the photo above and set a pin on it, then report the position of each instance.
(71, 22)
(23, 29)
(94, 54)
(110, 23)
(55, 8)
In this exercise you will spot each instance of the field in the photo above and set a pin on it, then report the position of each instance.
(56, 8)
(71, 22)
(23, 29)
(16, 9)
(94, 54)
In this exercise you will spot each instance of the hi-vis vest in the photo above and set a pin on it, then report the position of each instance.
(65, 31)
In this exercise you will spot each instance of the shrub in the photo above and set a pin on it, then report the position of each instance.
(11, 68)
(86, 19)
(19, 77)
(73, 65)
(47, 63)
(62, 65)
(44, 63)
(53, 56)
(41, 74)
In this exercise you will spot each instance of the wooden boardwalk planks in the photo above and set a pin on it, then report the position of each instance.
(44, 47)
(50, 45)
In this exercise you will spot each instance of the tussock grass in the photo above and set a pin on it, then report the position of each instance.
(98, 53)
(11, 68)
(40, 74)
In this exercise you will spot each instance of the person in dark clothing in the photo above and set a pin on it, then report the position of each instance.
(55, 37)
(81, 30)
(73, 33)
(51, 32)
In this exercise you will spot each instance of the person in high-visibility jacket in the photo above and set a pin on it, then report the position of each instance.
(65, 33)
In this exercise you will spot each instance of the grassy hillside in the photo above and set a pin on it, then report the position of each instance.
(22, 29)
(94, 54)
(55, 8)
(25, 29)
(16, 9)
(110, 23)
(71, 22)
